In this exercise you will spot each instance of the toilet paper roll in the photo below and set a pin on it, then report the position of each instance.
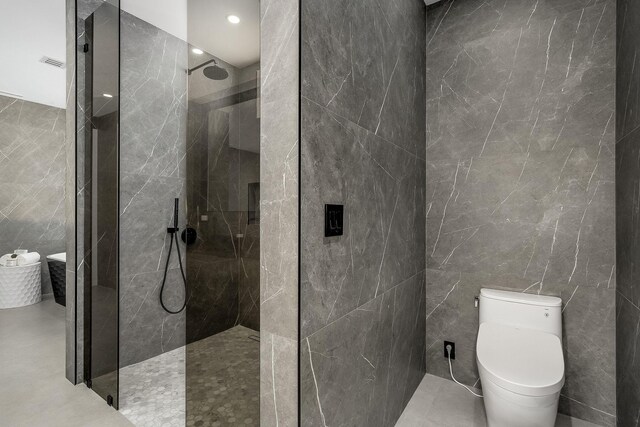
(28, 258)
(7, 257)
(21, 251)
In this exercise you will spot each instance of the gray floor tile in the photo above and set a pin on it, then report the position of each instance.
(211, 382)
(33, 389)
(439, 402)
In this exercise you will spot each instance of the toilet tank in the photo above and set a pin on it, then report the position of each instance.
(537, 312)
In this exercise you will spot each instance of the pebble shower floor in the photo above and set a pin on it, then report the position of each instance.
(220, 384)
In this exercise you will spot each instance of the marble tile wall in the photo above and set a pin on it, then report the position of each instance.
(211, 263)
(32, 172)
(153, 123)
(81, 257)
(627, 211)
(279, 165)
(222, 267)
(520, 178)
(153, 171)
(362, 145)
(71, 371)
(77, 241)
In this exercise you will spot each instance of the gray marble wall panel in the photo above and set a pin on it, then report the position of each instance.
(153, 122)
(520, 178)
(211, 268)
(82, 191)
(627, 215)
(627, 212)
(362, 145)
(363, 368)
(628, 385)
(222, 267)
(628, 68)
(279, 164)
(71, 372)
(77, 247)
(32, 170)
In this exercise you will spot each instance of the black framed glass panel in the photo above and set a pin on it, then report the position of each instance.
(97, 165)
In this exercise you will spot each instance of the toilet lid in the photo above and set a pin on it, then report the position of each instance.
(520, 360)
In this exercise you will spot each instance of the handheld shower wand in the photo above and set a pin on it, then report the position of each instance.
(173, 232)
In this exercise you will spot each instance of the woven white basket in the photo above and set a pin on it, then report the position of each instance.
(20, 286)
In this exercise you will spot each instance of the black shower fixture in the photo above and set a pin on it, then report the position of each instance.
(213, 72)
(173, 235)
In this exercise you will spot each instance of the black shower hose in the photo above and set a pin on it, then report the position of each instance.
(174, 235)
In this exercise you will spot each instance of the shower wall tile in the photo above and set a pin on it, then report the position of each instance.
(278, 380)
(87, 7)
(520, 178)
(222, 268)
(82, 188)
(213, 298)
(153, 120)
(145, 328)
(363, 146)
(628, 68)
(249, 293)
(32, 170)
(628, 365)
(77, 208)
(104, 193)
(73, 339)
(627, 212)
(279, 203)
(628, 215)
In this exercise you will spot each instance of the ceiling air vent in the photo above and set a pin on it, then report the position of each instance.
(51, 61)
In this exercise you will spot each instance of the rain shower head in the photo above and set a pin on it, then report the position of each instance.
(213, 72)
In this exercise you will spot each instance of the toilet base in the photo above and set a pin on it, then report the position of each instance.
(508, 409)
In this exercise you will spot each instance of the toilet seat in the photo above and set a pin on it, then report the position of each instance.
(522, 361)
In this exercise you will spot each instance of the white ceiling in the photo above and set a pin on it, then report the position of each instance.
(203, 23)
(236, 44)
(31, 29)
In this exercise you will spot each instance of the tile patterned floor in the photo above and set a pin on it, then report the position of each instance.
(219, 376)
(223, 380)
(439, 402)
(152, 392)
(224, 391)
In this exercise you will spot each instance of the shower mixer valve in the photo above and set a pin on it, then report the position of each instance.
(174, 229)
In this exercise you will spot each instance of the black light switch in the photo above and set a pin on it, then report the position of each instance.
(333, 220)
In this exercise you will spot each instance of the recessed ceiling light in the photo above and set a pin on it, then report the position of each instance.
(197, 51)
(233, 19)
(107, 95)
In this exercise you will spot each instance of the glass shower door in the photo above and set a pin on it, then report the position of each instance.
(100, 54)
(223, 214)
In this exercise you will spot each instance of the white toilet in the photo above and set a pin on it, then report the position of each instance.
(519, 355)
